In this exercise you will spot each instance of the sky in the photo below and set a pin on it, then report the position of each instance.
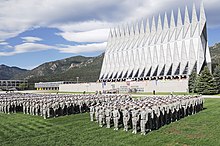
(33, 32)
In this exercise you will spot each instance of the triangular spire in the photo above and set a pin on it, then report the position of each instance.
(165, 25)
(127, 31)
(137, 31)
(153, 26)
(179, 19)
(147, 26)
(122, 30)
(159, 25)
(114, 33)
(132, 29)
(118, 32)
(110, 34)
(202, 18)
(194, 15)
(142, 27)
(186, 19)
(172, 20)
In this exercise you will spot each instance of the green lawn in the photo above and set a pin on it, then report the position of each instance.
(202, 129)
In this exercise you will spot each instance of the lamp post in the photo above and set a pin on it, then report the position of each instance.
(77, 80)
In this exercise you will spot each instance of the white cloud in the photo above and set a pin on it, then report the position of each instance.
(16, 16)
(82, 48)
(82, 21)
(31, 39)
(98, 35)
(27, 47)
(3, 43)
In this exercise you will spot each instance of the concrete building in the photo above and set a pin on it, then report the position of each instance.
(153, 57)
(50, 85)
(9, 84)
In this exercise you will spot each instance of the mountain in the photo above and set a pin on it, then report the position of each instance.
(215, 55)
(7, 72)
(86, 68)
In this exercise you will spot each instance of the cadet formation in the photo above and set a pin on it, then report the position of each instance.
(118, 111)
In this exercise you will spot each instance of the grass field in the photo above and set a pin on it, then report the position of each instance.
(202, 129)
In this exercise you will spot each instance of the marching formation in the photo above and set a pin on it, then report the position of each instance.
(145, 114)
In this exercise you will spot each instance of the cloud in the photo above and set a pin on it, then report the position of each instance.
(94, 47)
(31, 39)
(17, 16)
(86, 21)
(27, 47)
(98, 35)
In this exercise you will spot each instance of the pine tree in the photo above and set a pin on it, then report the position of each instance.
(206, 83)
(192, 82)
(216, 75)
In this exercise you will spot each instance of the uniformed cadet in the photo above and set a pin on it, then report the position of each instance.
(126, 118)
(144, 117)
(116, 117)
(135, 117)
(108, 116)
(92, 112)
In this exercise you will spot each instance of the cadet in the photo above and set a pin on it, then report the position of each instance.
(116, 117)
(135, 118)
(126, 118)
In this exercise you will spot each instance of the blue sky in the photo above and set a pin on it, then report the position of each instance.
(33, 32)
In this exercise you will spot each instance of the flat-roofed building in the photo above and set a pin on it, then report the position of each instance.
(8, 84)
(50, 85)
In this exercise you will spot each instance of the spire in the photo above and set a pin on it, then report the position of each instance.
(153, 26)
(172, 20)
(127, 31)
(114, 33)
(186, 19)
(165, 25)
(202, 18)
(137, 31)
(159, 25)
(132, 29)
(110, 34)
(194, 15)
(122, 31)
(142, 27)
(118, 32)
(147, 26)
(179, 20)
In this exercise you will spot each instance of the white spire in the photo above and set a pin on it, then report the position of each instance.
(114, 33)
(122, 30)
(147, 29)
(165, 25)
(110, 34)
(159, 25)
(137, 31)
(153, 26)
(172, 20)
(194, 15)
(179, 20)
(186, 19)
(127, 31)
(142, 27)
(118, 32)
(132, 30)
(202, 18)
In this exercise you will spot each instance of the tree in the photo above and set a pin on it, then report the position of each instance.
(216, 75)
(22, 86)
(206, 83)
(192, 82)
